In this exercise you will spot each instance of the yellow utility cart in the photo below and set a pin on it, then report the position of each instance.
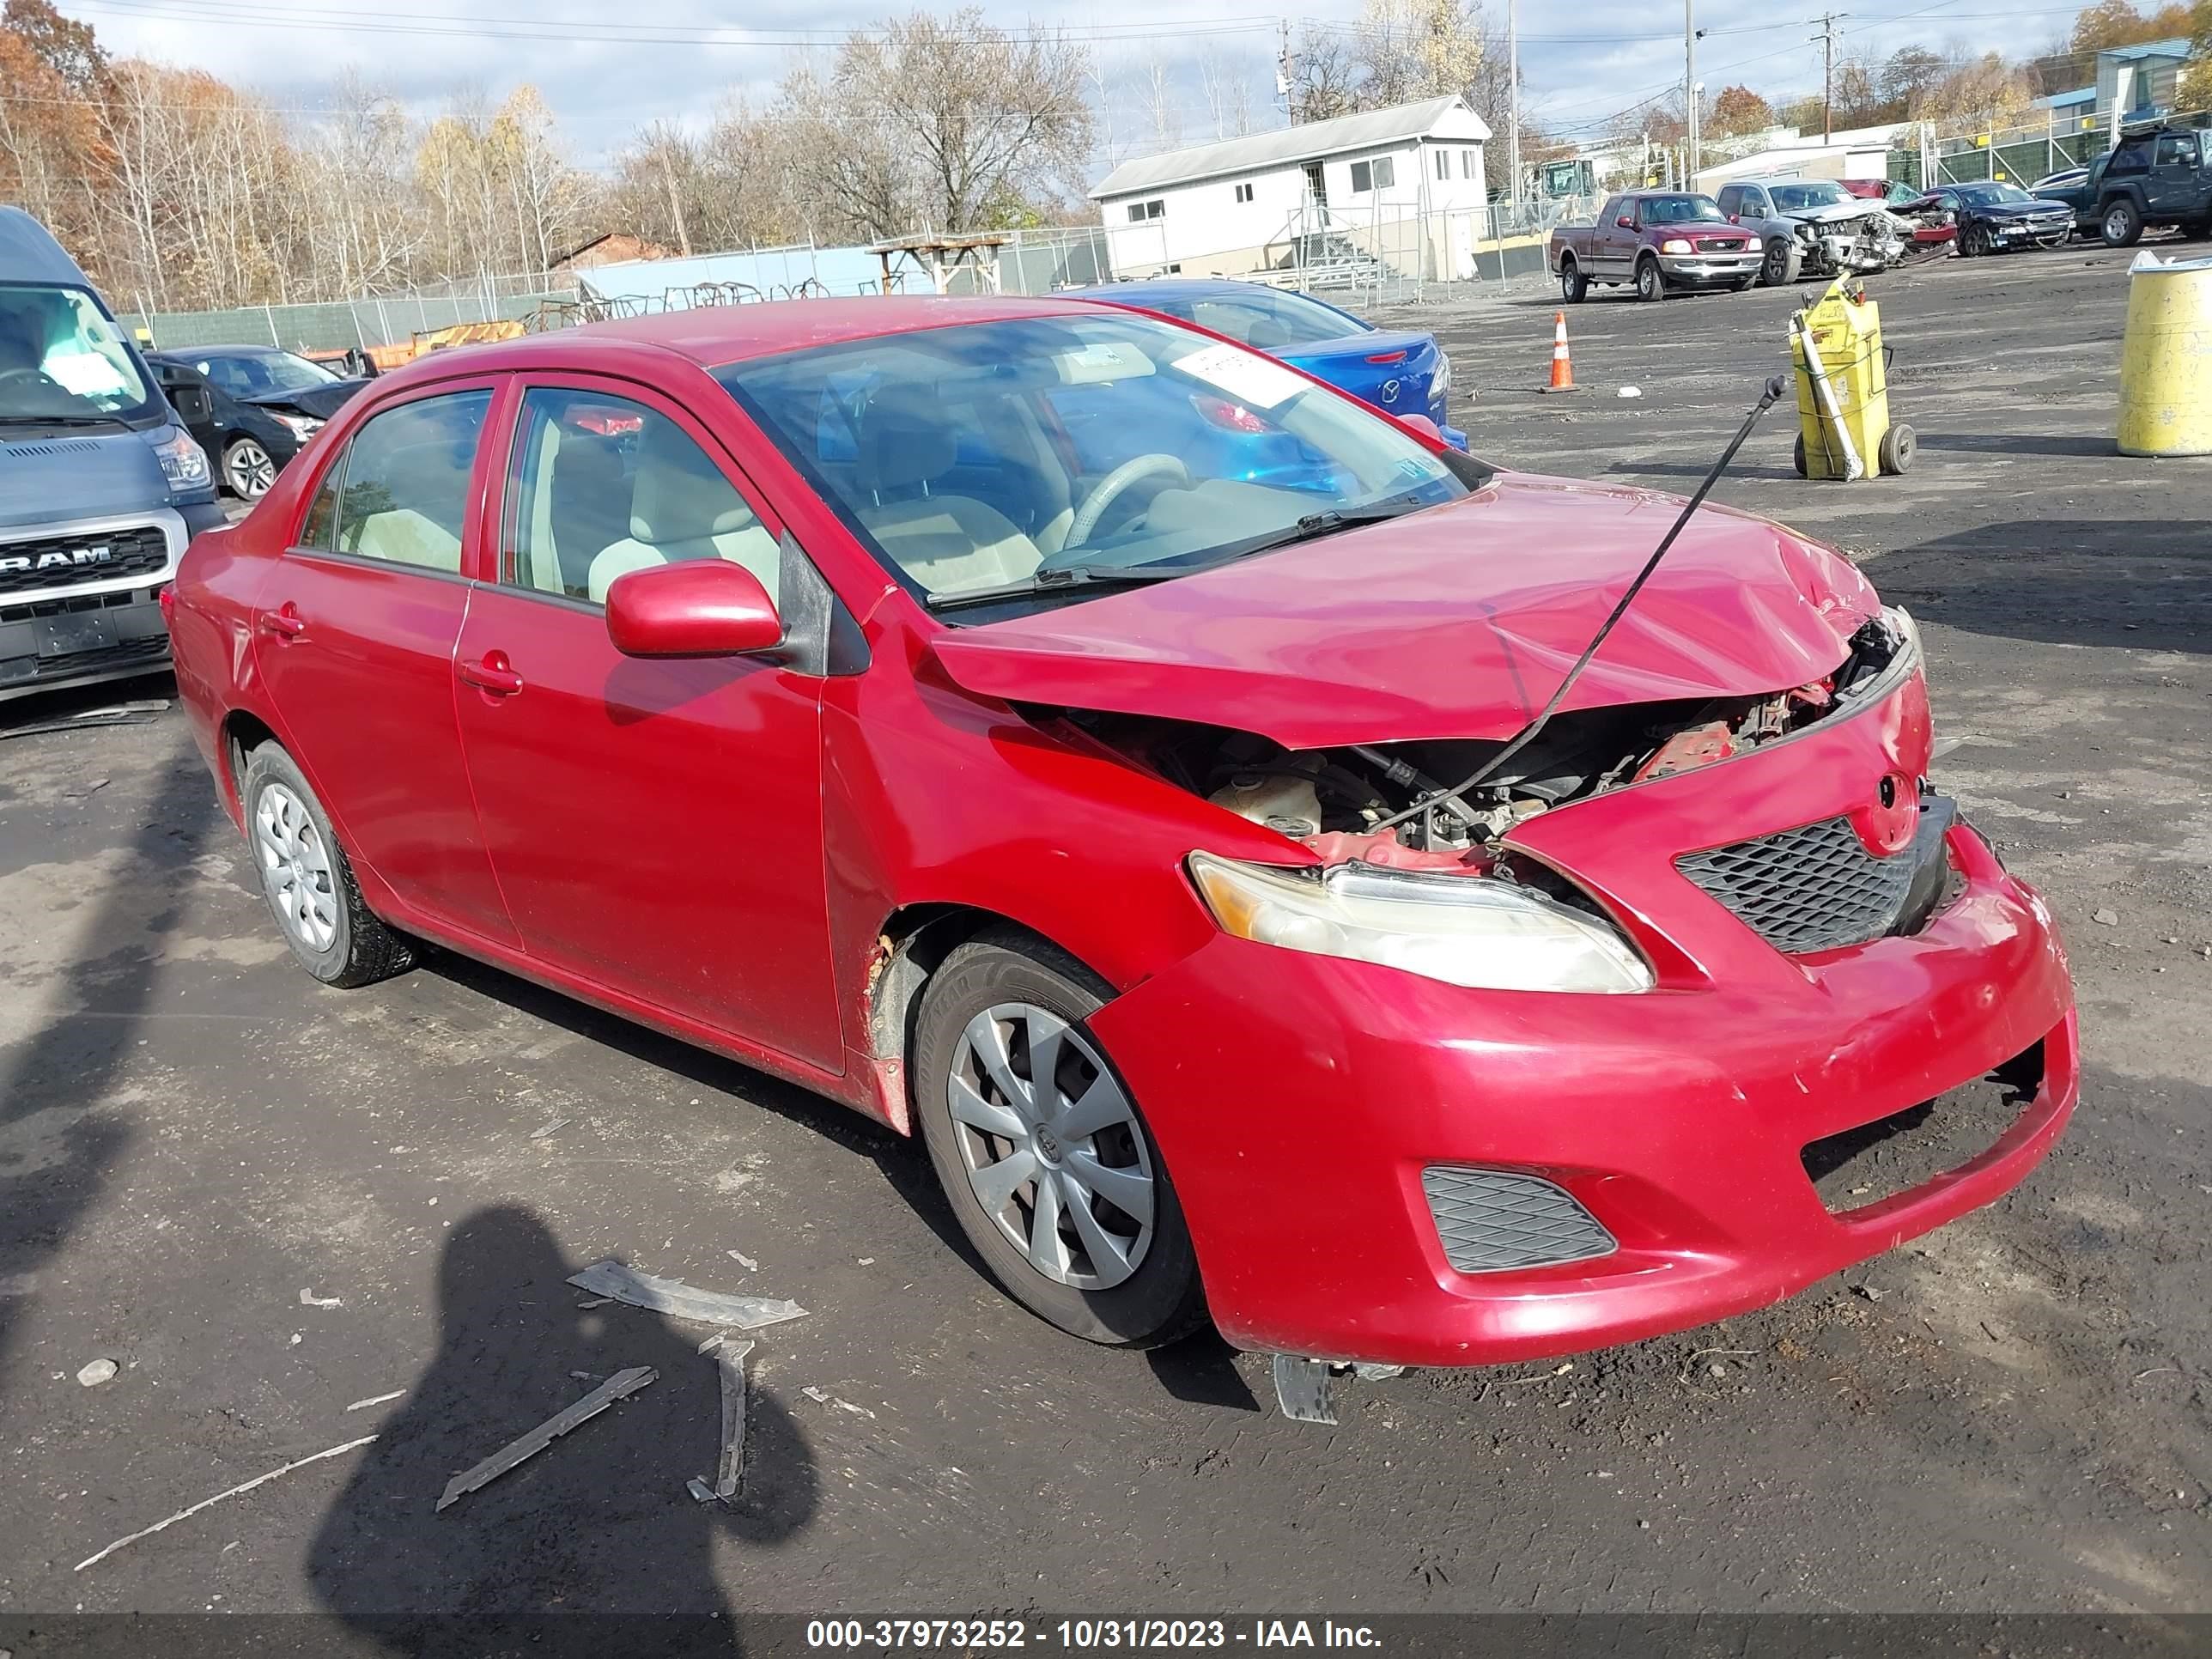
(1843, 389)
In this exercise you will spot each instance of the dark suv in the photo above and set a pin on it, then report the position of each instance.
(2154, 176)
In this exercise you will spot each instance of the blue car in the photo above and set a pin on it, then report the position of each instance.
(1399, 373)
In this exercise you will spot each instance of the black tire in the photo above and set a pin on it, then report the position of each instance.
(1651, 280)
(1574, 286)
(1974, 241)
(1161, 1299)
(248, 469)
(361, 949)
(2122, 222)
(1779, 268)
(1797, 457)
(1897, 449)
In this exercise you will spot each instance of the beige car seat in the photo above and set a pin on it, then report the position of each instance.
(946, 543)
(683, 507)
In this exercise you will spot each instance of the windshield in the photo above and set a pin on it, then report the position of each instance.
(1681, 210)
(259, 373)
(979, 456)
(62, 359)
(1264, 319)
(1797, 198)
(1990, 195)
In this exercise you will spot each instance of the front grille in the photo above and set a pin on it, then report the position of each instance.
(1489, 1220)
(1816, 888)
(1722, 244)
(84, 556)
(1908, 1149)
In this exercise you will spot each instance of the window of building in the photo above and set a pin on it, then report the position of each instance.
(1444, 164)
(603, 486)
(1467, 161)
(405, 490)
(1363, 178)
(1244, 192)
(1141, 211)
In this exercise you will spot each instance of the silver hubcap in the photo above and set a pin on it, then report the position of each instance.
(252, 472)
(1051, 1147)
(295, 867)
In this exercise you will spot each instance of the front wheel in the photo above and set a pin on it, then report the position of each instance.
(1041, 1151)
(1779, 268)
(308, 882)
(1651, 280)
(2123, 225)
(1974, 243)
(1574, 286)
(248, 468)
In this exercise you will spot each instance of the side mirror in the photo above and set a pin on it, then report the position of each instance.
(1625, 222)
(193, 405)
(1421, 426)
(697, 608)
(1735, 219)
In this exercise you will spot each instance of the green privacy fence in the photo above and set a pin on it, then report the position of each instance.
(339, 324)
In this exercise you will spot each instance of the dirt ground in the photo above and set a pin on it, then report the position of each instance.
(267, 1200)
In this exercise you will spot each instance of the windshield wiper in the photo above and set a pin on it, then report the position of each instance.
(59, 420)
(1048, 582)
(1327, 522)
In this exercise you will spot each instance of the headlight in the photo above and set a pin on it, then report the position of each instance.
(1440, 382)
(302, 427)
(1464, 930)
(184, 463)
(1675, 244)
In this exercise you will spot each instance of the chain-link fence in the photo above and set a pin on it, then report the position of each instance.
(339, 324)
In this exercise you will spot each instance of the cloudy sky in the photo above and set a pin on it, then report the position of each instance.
(604, 77)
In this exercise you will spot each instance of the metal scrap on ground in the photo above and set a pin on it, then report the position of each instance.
(545, 1129)
(209, 1502)
(730, 1358)
(677, 1300)
(620, 1386)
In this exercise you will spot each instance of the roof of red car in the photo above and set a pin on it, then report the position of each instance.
(714, 335)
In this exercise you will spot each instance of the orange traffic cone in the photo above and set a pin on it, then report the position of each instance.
(1563, 365)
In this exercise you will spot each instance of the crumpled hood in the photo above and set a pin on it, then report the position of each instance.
(51, 479)
(320, 401)
(1836, 213)
(1457, 621)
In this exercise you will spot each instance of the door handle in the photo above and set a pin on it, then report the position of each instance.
(285, 622)
(493, 674)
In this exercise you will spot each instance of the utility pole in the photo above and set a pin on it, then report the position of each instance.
(1513, 103)
(1283, 89)
(1827, 37)
(1690, 89)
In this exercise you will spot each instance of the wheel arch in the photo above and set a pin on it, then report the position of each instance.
(242, 732)
(911, 942)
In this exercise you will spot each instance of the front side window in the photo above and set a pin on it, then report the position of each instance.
(259, 374)
(2177, 150)
(600, 486)
(974, 457)
(403, 496)
(61, 360)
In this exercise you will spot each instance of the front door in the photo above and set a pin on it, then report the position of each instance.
(354, 639)
(656, 825)
(2177, 187)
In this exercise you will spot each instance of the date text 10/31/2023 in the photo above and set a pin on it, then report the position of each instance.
(1083, 1634)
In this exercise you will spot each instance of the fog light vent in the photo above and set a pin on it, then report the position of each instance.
(1489, 1220)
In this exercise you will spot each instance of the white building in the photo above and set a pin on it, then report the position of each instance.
(1380, 182)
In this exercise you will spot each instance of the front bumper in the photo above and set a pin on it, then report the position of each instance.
(1700, 269)
(2050, 234)
(1296, 1100)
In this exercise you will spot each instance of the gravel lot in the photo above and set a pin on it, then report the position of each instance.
(199, 1148)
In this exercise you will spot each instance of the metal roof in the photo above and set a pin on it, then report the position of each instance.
(29, 254)
(1286, 145)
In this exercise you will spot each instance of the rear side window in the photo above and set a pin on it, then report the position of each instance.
(405, 494)
(2131, 157)
(603, 486)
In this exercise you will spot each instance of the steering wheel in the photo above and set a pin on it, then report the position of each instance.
(1109, 488)
(37, 374)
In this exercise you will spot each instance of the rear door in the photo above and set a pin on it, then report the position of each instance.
(2176, 187)
(355, 638)
(656, 825)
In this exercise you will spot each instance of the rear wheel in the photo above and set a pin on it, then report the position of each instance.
(308, 882)
(2122, 223)
(1651, 280)
(1574, 286)
(1041, 1150)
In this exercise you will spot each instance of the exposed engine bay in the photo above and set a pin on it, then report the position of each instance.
(1837, 247)
(1338, 801)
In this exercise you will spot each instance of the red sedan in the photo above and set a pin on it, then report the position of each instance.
(1042, 727)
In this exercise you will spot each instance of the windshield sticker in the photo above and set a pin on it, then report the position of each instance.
(1247, 378)
(1102, 361)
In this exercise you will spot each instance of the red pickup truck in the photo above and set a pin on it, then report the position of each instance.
(1658, 239)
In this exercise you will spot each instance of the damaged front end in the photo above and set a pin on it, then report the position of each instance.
(1385, 821)
(1858, 247)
